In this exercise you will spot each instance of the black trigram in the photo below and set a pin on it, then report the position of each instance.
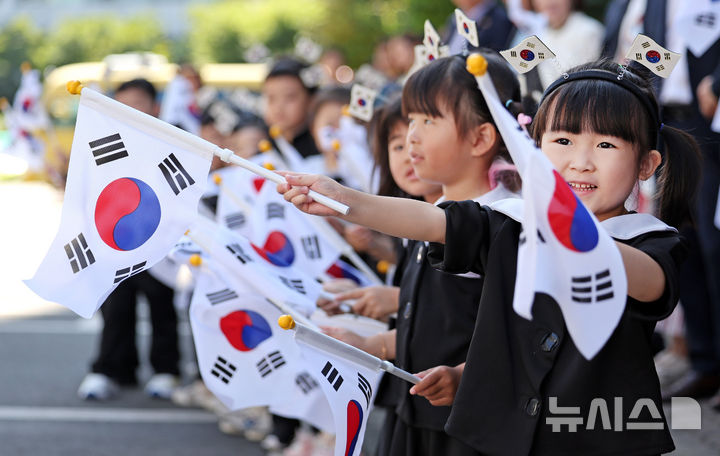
(235, 220)
(293, 284)
(223, 370)
(311, 245)
(175, 174)
(79, 253)
(660, 67)
(305, 382)
(666, 55)
(646, 45)
(638, 56)
(275, 210)
(239, 253)
(365, 388)
(332, 375)
(523, 64)
(513, 53)
(107, 149)
(271, 362)
(530, 44)
(706, 20)
(523, 238)
(221, 296)
(541, 55)
(592, 288)
(124, 273)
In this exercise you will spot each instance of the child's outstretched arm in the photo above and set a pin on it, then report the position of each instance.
(645, 277)
(400, 217)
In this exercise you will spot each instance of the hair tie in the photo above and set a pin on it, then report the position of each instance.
(508, 103)
(662, 125)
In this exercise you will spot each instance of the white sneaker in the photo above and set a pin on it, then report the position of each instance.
(98, 387)
(670, 367)
(161, 386)
(258, 423)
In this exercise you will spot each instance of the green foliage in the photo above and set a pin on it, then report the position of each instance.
(17, 39)
(92, 38)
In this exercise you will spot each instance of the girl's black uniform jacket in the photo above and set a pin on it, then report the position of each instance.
(515, 366)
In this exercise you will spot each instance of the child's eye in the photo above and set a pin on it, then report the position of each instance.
(428, 122)
(563, 141)
(606, 145)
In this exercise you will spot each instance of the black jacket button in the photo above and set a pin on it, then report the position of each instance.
(532, 407)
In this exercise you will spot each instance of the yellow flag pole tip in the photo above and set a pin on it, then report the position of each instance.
(268, 165)
(383, 267)
(274, 131)
(346, 110)
(336, 145)
(25, 67)
(74, 87)
(476, 64)
(264, 146)
(4, 103)
(195, 260)
(286, 322)
(217, 179)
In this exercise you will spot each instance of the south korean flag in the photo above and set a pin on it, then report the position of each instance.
(466, 27)
(362, 101)
(431, 40)
(349, 386)
(263, 269)
(563, 251)
(243, 357)
(699, 24)
(132, 190)
(290, 235)
(528, 54)
(651, 55)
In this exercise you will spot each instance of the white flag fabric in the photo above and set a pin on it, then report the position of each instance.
(466, 27)
(527, 54)
(133, 188)
(289, 234)
(267, 273)
(355, 162)
(563, 250)
(245, 359)
(179, 107)
(651, 55)
(349, 385)
(431, 40)
(28, 111)
(362, 101)
(699, 25)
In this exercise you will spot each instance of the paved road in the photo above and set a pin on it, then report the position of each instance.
(45, 351)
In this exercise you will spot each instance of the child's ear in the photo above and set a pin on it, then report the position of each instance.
(649, 164)
(483, 139)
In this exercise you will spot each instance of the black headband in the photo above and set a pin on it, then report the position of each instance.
(650, 105)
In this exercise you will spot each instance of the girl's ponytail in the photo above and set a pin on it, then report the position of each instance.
(679, 178)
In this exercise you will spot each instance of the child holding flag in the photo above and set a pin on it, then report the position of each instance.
(451, 141)
(522, 374)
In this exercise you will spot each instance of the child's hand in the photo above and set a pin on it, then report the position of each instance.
(298, 185)
(439, 384)
(347, 336)
(375, 302)
(359, 237)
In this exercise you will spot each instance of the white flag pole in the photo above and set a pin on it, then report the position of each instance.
(150, 124)
(342, 350)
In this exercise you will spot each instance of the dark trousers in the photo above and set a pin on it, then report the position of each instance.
(118, 357)
(700, 274)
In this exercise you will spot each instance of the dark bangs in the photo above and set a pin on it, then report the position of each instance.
(593, 105)
(445, 85)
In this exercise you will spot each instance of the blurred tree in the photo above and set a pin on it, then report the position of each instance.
(17, 40)
(91, 38)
